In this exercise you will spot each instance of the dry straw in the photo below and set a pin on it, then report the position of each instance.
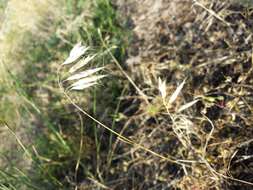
(89, 77)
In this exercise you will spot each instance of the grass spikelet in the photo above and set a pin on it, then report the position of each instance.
(86, 82)
(84, 74)
(162, 88)
(77, 51)
(83, 86)
(176, 93)
(82, 63)
(85, 79)
(187, 105)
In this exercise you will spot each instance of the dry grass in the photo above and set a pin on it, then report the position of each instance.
(183, 116)
(183, 133)
(212, 49)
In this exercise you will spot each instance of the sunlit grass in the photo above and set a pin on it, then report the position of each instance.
(33, 44)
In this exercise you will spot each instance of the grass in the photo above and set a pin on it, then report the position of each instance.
(63, 143)
(167, 122)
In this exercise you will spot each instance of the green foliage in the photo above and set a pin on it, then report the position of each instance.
(56, 148)
(105, 20)
(3, 4)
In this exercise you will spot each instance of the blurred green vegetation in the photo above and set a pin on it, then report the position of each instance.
(62, 142)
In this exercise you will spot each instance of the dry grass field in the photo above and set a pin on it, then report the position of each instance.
(126, 94)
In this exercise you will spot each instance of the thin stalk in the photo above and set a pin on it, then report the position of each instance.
(122, 138)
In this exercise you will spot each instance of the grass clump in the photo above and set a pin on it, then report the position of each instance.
(61, 144)
(175, 114)
(196, 128)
